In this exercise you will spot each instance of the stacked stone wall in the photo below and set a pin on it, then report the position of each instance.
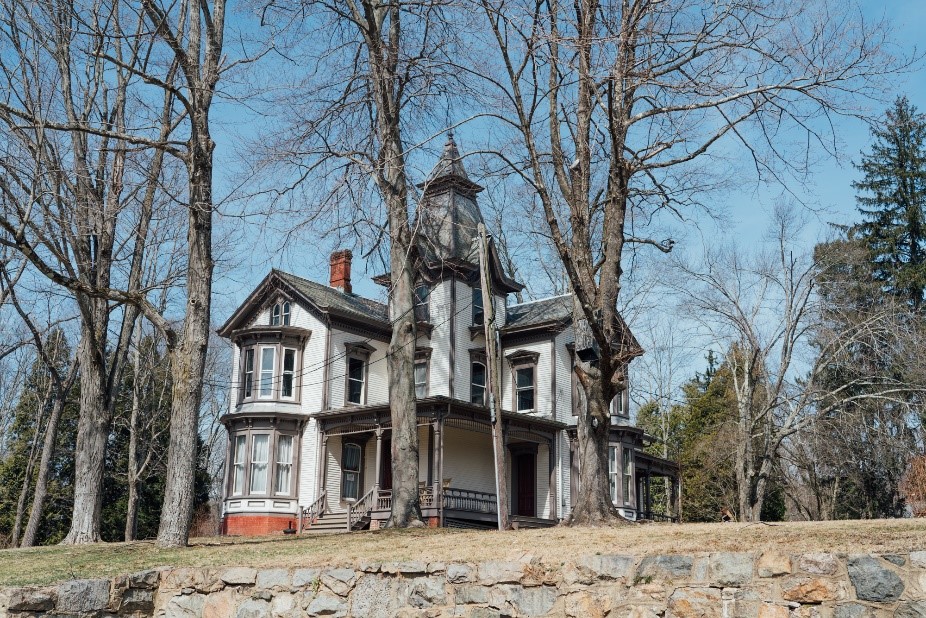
(718, 585)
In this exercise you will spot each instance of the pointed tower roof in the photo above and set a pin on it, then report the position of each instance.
(448, 216)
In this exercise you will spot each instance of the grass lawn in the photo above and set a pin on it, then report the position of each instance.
(45, 565)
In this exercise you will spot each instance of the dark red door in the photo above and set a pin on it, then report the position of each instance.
(527, 484)
(385, 472)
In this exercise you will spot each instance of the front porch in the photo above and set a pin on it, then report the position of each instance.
(456, 468)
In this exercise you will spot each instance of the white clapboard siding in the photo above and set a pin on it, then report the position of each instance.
(440, 308)
(564, 377)
(377, 383)
(468, 460)
(308, 464)
(543, 481)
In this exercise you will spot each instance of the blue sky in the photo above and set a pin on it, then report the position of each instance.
(252, 247)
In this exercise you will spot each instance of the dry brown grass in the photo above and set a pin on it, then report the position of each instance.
(45, 565)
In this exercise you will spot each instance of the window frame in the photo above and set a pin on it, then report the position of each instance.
(518, 361)
(240, 442)
(422, 306)
(627, 480)
(613, 472)
(275, 314)
(358, 472)
(273, 372)
(278, 464)
(292, 374)
(473, 385)
(266, 463)
(247, 372)
(360, 351)
(286, 313)
(244, 433)
(478, 308)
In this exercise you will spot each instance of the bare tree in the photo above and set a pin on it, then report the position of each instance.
(615, 107)
(767, 311)
(375, 68)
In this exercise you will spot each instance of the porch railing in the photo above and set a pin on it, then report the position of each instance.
(313, 511)
(384, 500)
(360, 509)
(470, 501)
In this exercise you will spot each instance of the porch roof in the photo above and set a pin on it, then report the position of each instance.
(366, 418)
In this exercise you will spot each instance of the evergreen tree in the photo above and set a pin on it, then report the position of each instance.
(892, 201)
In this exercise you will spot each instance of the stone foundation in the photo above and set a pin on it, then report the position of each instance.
(718, 585)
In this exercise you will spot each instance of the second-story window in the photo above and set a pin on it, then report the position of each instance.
(356, 370)
(422, 308)
(266, 371)
(478, 310)
(289, 369)
(477, 388)
(248, 372)
(421, 379)
(524, 388)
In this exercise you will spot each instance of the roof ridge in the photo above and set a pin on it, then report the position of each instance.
(540, 300)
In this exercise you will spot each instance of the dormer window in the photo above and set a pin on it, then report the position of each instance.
(279, 314)
(478, 310)
(422, 309)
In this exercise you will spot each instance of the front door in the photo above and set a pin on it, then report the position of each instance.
(385, 470)
(525, 466)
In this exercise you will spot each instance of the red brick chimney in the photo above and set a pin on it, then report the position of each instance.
(340, 270)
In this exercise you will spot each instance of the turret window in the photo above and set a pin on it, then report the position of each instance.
(422, 310)
(478, 310)
(477, 389)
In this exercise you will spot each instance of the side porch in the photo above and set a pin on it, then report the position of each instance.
(456, 468)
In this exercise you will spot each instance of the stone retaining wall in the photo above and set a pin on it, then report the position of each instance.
(721, 585)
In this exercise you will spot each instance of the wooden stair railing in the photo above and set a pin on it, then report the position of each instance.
(360, 509)
(312, 512)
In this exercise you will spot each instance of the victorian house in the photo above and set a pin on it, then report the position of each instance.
(309, 426)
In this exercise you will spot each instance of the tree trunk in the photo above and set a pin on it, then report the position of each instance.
(92, 433)
(188, 359)
(131, 472)
(48, 451)
(406, 508)
(30, 464)
(592, 505)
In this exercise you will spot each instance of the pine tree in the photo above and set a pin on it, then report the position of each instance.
(892, 201)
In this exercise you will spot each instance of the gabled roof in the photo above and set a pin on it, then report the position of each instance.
(316, 297)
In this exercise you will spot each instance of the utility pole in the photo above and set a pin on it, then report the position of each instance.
(493, 380)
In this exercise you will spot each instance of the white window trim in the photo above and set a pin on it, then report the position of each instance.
(273, 373)
(268, 464)
(278, 464)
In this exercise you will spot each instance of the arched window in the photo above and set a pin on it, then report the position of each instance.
(477, 389)
(350, 471)
(275, 315)
(286, 313)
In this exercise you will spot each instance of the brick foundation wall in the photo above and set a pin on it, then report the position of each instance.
(247, 524)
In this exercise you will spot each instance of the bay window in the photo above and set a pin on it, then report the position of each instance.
(264, 456)
(289, 368)
(284, 465)
(613, 471)
(248, 372)
(260, 451)
(240, 455)
(267, 356)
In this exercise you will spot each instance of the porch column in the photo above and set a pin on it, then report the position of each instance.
(649, 500)
(439, 466)
(553, 489)
(322, 464)
(379, 460)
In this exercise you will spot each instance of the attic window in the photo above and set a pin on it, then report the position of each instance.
(422, 310)
(279, 314)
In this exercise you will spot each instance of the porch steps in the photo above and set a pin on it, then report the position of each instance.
(333, 523)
